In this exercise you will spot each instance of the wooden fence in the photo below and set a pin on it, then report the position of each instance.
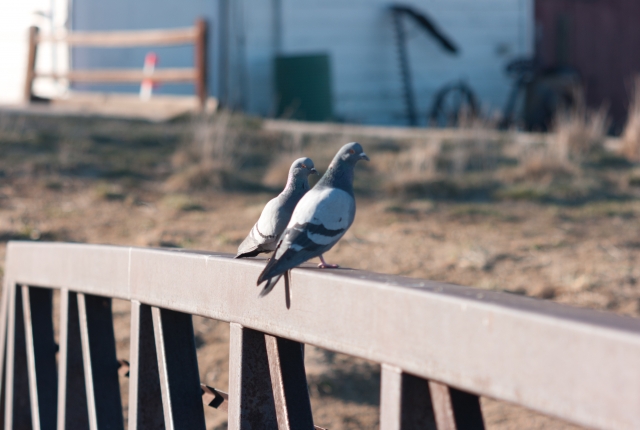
(440, 346)
(196, 35)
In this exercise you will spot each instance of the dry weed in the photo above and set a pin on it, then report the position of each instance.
(579, 132)
(198, 176)
(467, 120)
(208, 159)
(415, 165)
(420, 159)
(631, 134)
(543, 165)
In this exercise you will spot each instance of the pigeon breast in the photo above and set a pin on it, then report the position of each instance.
(321, 218)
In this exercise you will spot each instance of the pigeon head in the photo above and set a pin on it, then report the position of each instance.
(302, 168)
(340, 171)
(350, 153)
(299, 174)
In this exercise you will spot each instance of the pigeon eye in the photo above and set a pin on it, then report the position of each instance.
(351, 151)
(303, 166)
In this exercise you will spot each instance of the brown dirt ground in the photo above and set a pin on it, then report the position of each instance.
(585, 256)
(130, 183)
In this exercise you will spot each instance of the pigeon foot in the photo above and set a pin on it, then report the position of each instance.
(325, 265)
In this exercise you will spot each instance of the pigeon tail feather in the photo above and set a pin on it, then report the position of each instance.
(250, 253)
(271, 282)
(265, 272)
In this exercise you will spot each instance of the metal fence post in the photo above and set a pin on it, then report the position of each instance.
(145, 396)
(17, 401)
(73, 412)
(251, 405)
(455, 409)
(178, 366)
(289, 381)
(100, 362)
(37, 304)
(405, 401)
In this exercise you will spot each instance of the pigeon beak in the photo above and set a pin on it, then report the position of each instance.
(364, 156)
(313, 170)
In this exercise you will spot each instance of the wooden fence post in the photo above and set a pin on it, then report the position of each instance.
(201, 62)
(31, 64)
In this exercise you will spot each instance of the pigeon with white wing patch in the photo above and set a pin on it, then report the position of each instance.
(321, 218)
(275, 216)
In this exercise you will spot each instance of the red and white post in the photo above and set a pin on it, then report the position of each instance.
(146, 87)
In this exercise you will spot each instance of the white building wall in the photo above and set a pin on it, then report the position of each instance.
(15, 19)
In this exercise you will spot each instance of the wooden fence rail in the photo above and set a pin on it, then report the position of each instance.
(441, 346)
(197, 36)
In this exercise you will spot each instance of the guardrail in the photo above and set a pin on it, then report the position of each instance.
(196, 35)
(440, 345)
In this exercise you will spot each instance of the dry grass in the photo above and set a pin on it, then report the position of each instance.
(631, 135)
(544, 166)
(208, 159)
(218, 151)
(233, 152)
(579, 133)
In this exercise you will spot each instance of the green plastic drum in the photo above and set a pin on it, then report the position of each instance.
(303, 87)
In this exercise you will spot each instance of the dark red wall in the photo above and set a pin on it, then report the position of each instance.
(600, 38)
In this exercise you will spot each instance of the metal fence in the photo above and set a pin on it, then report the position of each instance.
(440, 345)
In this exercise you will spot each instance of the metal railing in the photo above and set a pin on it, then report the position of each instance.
(440, 345)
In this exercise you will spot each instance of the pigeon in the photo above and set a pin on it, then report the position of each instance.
(275, 216)
(319, 220)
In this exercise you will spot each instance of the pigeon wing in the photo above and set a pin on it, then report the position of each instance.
(273, 221)
(264, 235)
(319, 221)
(249, 247)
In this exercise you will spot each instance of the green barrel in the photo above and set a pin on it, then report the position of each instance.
(303, 87)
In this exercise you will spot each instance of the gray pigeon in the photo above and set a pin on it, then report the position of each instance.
(275, 216)
(321, 218)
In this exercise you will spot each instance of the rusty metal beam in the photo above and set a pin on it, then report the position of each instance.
(17, 400)
(455, 409)
(8, 285)
(100, 362)
(73, 412)
(37, 307)
(178, 368)
(576, 364)
(145, 396)
(289, 383)
(405, 402)
(251, 405)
